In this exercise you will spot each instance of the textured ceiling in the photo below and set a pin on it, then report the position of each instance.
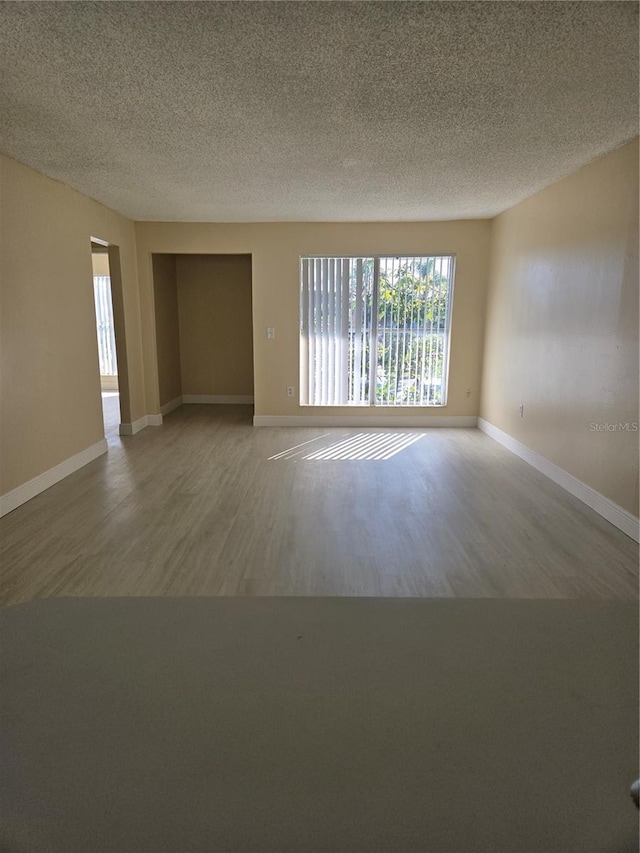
(249, 111)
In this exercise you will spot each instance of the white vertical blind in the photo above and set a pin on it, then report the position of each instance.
(375, 330)
(325, 330)
(104, 325)
(360, 286)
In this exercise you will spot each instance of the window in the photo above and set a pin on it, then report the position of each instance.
(104, 322)
(375, 331)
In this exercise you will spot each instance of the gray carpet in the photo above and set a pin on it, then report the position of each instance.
(284, 724)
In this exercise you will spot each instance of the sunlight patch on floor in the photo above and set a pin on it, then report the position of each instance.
(362, 446)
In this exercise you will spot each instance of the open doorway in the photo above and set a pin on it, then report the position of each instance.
(105, 331)
(204, 329)
(107, 294)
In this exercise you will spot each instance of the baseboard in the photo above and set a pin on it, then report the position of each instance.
(395, 421)
(605, 507)
(170, 406)
(140, 424)
(21, 494)
(216, 399)
(133, 428)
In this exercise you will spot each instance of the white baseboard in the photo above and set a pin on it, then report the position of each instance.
(394, 421)
(214, 399)
(170, 406)
(140, 424)
(605, 507)
(20, 495)
(133, 428)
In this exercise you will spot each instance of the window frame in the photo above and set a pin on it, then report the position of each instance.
(303, 352)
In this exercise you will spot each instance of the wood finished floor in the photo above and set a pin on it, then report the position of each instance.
(198, 507)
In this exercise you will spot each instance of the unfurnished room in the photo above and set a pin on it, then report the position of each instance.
(319, 429)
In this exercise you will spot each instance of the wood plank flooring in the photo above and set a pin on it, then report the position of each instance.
(198, 507)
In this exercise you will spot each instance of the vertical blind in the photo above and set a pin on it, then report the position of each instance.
(375, 330)
(104, 323)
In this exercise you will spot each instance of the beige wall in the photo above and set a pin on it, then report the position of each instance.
(276, 249)
(167, 330)
(562, 324)
(50, 387)
(216, 332)
(100, 263)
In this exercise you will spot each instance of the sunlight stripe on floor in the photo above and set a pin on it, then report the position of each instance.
(366, 446)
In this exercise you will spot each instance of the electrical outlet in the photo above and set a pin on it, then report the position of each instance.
(291, 391)
(521, 409)
(271, 333)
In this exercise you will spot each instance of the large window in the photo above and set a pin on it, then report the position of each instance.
(375, 330)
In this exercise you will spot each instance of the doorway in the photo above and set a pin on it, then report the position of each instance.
(106, 336)
(204, 329)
